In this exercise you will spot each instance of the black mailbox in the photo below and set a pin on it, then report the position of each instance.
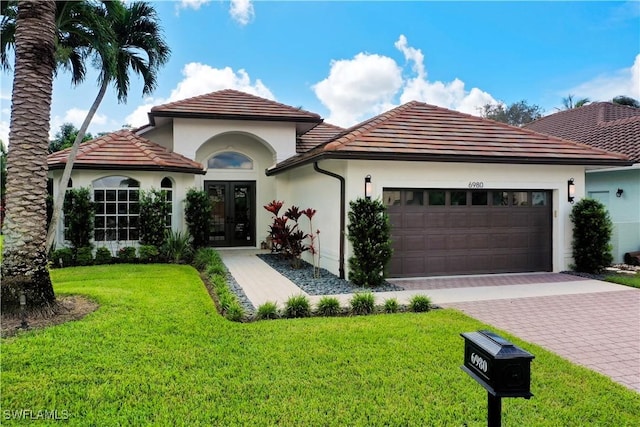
(497, 364)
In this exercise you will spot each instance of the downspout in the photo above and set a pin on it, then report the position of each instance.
(342, 213)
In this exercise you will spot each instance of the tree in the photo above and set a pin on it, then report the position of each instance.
(24, 265)
(516, 114)
(569, 103)
(626, 100)
(65, 138)
(592, 228)
(137, 45)
(3, 180)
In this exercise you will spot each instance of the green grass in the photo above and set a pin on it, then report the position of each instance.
(157, 353)
(633, 281)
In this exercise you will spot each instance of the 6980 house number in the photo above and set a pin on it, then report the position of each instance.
(476, 184)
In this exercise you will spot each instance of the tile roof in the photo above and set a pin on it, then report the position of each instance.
(316, 136)
(603, 125)
(124, 149)
(419, 131)
(233, 104)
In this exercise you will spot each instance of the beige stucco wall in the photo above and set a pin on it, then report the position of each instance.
(308, 188)
(161, 135)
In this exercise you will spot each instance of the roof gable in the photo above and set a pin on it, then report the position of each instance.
(234, 105)
(124, 149)
(604, 125)
(419, 131)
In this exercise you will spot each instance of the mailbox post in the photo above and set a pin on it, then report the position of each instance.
(503, 369)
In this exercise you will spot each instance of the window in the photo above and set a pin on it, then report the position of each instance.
(479, 198)
(520, 198)
(230, 160)
(500, 198)
(117, 208)
(391, 197)
(458, 198)
(167, 186)
(437, 197)
(539, 198)
(414, 197)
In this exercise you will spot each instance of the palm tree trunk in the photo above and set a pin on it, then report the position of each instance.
(68, 167)
(24, 265)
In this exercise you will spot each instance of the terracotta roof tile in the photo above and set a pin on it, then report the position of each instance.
(419, 131)
(316, 136)
(233, 104)
(604, 125)
(125, 150)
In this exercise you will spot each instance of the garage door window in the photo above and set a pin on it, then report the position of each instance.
(479, 198)
(414, 197)
(391, 197)
(539, 198)
(520, 198)
(458, 198)
(437, 198)
(500, 198)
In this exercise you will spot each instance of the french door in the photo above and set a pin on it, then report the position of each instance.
(233, 215)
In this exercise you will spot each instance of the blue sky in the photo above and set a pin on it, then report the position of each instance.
(351, 60)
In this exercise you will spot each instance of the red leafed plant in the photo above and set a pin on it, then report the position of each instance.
(286, 237)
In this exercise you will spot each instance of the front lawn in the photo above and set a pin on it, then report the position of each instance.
(157, 353)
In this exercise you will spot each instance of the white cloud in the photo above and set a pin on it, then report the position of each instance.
(368, 84)
(242, 11)
(191, 4)
(359, 88)
(198, 80)
(605, 87)
(75, 116)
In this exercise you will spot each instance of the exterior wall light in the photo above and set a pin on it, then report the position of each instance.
(571, 187)
(619, 192)
(367, 187)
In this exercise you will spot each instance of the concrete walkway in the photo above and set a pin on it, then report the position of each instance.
(592, 323)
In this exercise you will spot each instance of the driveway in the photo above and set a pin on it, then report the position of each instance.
(598, 330)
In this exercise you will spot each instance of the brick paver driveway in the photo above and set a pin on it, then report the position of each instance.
(598, 330)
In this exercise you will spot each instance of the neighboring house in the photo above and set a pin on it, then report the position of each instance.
(614, 128)
(465, 195)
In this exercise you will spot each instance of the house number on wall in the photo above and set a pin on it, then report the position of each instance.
(476, 184)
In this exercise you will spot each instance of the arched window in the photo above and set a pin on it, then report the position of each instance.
(230, 160)
(166, 185)
(117, 208)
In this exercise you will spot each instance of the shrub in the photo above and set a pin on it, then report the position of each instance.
(268, 310)
(154, 212)
(419, 303)
(148, 253)
(362, 303)
(78, 217)
(592, 229)
(197, 214)
(234, 312)
(297, 306)
(203, 257)
(328, 306)
(177, 247)
(103, 256)
(286, 236)
(391, 305)
(84, 256)
(369, 232)
(62, 258)
(127, 254)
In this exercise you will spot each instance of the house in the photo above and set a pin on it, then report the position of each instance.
(465, 195)
(611, 127)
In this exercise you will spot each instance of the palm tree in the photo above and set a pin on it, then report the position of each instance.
(568, 103)
(626, 100)
(24, 265)
(138, 45)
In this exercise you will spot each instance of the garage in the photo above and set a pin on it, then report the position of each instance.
(438, 232)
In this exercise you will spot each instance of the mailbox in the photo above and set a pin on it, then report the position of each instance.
(503, 369)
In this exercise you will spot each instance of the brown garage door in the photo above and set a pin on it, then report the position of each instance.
(448, 232)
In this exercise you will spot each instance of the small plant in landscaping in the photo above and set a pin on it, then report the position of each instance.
(177, 247)
(234, 312)
(204, 257)
(148, 253)
(62, 258)
(328, 306)
(103, 256)
(286, 237)
(127, 254)
(268, 310)
(84, 256)
(419, 303)
(297, 306)
(362, 303)
(391, 305)
(314, 242)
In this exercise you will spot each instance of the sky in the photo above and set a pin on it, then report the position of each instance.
(349, 61)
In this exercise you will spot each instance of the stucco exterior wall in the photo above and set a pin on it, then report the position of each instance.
(148, 181)
(311, 189)
(602, 185)
(161, 135)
